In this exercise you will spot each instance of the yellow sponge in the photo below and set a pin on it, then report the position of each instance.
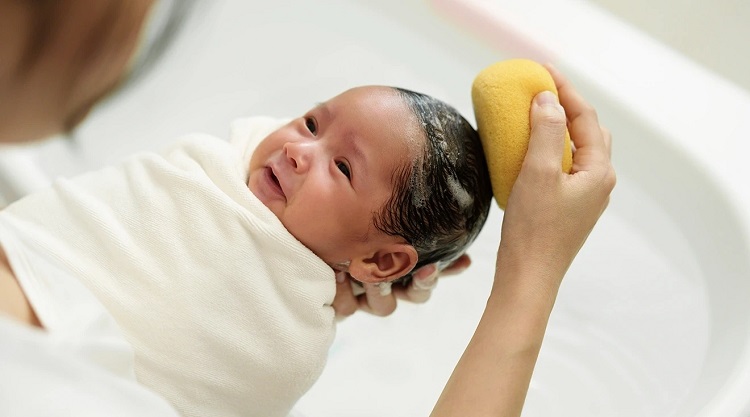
(502, 94)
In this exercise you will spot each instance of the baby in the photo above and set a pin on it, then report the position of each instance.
(207, 271)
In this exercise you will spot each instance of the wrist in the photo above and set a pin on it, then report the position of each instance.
(520, 275)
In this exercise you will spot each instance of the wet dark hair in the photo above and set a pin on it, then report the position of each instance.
(441, 201)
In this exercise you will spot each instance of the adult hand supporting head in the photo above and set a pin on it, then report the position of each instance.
(548, 218)
(374, 301)
(549, 214)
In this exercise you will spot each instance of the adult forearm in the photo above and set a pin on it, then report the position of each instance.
(548, 218)
(492, 376)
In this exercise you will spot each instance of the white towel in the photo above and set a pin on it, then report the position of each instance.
(227, 312)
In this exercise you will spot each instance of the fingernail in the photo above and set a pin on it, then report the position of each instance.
(426, 272)
(426, 283)
(340, 277)
(385, 288)
(547, 98)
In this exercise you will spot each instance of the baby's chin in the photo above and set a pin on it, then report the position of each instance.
(337, 264)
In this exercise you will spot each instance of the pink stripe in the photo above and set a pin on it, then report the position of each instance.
(490, 26)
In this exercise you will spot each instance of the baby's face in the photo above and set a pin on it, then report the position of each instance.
(327, 173)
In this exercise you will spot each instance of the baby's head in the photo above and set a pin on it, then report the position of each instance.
(376, 181)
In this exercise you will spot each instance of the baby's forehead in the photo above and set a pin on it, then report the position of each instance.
(382, 106)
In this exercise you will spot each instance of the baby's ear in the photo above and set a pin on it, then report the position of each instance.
(388, 263)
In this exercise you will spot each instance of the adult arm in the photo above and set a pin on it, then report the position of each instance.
(548, 218)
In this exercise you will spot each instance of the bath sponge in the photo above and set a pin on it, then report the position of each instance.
(502, 94)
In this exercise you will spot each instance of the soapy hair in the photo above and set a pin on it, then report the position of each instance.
(441, 200)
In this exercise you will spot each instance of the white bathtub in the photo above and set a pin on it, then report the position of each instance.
(654, 316)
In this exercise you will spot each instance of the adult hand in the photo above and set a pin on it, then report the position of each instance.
(550, 214)
(374, 300)
(548, 218)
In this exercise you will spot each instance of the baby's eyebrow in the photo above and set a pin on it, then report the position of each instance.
(351, 140)
(323, 106)
(352, 143)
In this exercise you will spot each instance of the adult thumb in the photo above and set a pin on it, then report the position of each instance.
(548, 124)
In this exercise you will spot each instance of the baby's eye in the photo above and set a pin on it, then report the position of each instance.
(311, 126)
(344, 169)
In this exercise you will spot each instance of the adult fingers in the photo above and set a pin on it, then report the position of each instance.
(345, 302)
(583, 123)
(430, 271)
(547, 140)
(593, 143)
(377, 300)
(457, 266)
(426, 277)
(421, 285)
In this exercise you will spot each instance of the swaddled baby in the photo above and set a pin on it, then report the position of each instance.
(216, 260)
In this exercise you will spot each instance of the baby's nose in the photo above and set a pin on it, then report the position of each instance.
(299, 155)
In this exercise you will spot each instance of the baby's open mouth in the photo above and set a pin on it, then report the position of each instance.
(275, 180)
(275, 183)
